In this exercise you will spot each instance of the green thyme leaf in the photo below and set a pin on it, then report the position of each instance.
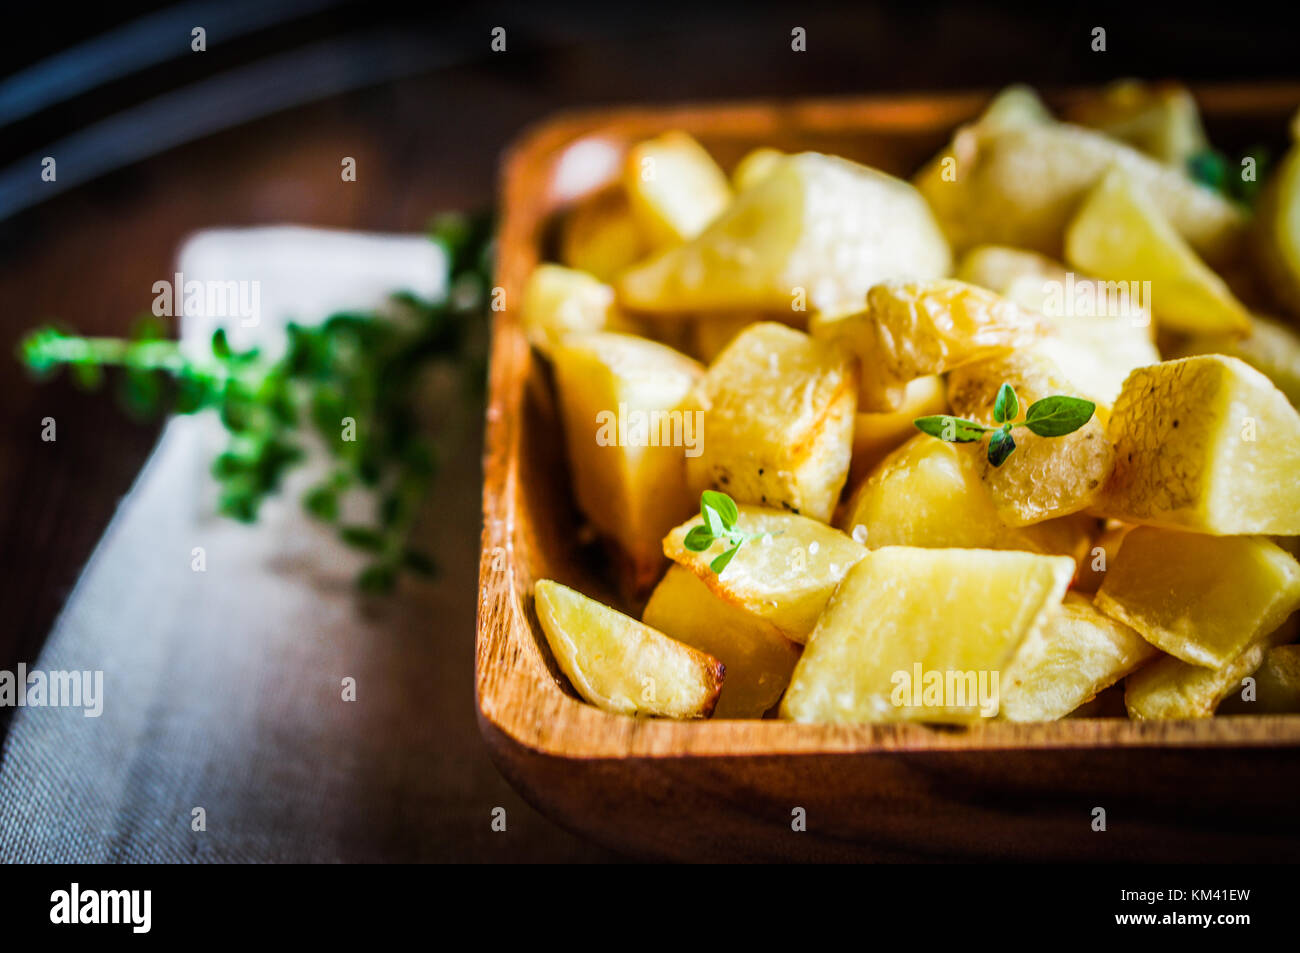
(1059, 415)
(1000, 446)
(720, 562)
(1210, 168)
(712, 519)
(698, 539)
(322, 502)
(951, 429)
(724, 505)
(1006, 406)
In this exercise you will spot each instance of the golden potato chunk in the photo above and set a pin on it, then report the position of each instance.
(1277, 231)
(1019, 185)
(1277, 685)
(1205, 443)
(877, 435)
(778, 422)
(1014, 106)
(758, 658)
(783, 579)
(928, 493)
(1046, 477)
(754, 167)
(917, 329)
(600, 236)
(1076, 654)
(1119, 234)
(560, 301)
(1170, 688)
(628, 427)
(674, 187)
(621, 665)
(923, 635)
(1161, 119)
(1203, 599)
(813, 234)
(1272, 348)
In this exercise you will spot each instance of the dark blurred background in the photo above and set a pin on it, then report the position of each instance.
(155, 141)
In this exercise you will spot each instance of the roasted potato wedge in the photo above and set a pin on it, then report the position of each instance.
(1207, 444)
(1120, 234)
(1075, 655)
(674, 188)
(1015, 106)
(923, 635)
(778, 421)
(783, 579)
(1161, 119)
(622, 665)
(815, 233)
(600, 236)
(1272, 348)
(1204, 599)
(1051, 476)
(1020, 185)
(559, 301)
(628, 427)
(754, 167)
(928, 493)
(757, 657)
(1170, 688)
(918, 329)
(1276, 233)
(1276, 688)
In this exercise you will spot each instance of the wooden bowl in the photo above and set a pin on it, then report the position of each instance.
(1223, 788)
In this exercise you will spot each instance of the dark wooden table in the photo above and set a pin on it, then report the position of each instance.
(89, 257)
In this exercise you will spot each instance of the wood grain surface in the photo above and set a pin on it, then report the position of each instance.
(704, 790)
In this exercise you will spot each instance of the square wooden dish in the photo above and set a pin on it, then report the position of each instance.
(1223, 788)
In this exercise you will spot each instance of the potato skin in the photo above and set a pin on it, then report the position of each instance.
(1046, 477)
(1183, 460)
(607, 656)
